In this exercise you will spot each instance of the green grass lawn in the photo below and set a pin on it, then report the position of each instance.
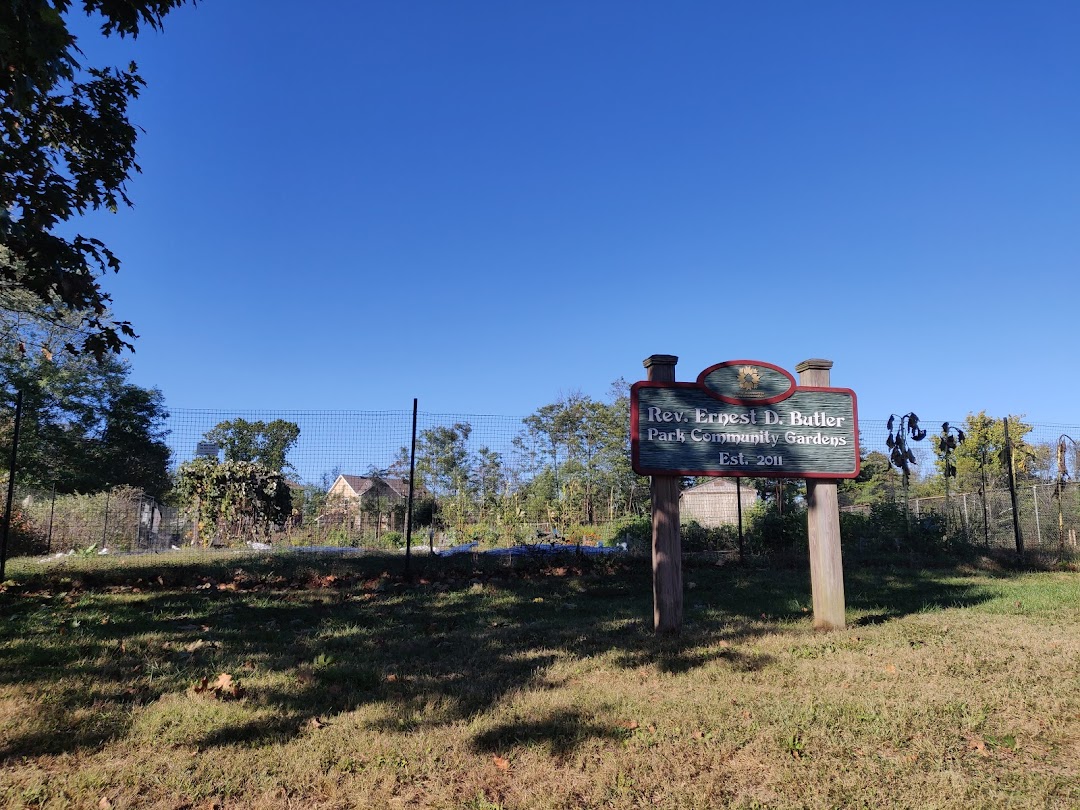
(481, 685)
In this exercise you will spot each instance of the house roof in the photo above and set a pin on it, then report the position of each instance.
(718, 485)
(361, 484)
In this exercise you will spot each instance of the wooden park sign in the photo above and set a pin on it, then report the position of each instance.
(745, 418)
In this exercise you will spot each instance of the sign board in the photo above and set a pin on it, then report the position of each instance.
(206, 450)
(744, 418)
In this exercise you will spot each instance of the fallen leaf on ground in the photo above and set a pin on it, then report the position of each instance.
(500, 763)
(629, 725)
(976, 743)
(105, 803)
(226, 686)
(890, 668)
(223, 687)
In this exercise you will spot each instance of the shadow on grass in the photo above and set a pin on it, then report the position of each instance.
(447, 646)
(559, 734)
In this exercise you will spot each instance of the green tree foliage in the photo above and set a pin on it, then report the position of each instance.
(490, 477)
(875, 483)
(233, 499)
(132, 444)
(264, 443)
(445, 468)
(580, 454)
(442, 460)
(85, 428)
(66, 147)
(983, 451)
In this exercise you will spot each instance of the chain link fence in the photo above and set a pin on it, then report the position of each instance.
(348, 472)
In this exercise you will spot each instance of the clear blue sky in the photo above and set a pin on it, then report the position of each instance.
(484, 204)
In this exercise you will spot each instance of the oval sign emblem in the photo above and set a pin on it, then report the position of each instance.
(747, 381)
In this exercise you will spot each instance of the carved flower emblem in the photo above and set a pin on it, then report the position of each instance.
(749, 378)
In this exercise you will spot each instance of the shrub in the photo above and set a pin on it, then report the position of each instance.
(392, 539)
(887, 528)
(696, 538)
(24, 536)
(636, 532)
(770, 531)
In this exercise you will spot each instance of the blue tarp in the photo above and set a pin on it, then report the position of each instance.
(535, 550)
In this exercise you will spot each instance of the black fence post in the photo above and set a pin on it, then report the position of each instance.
(11, 485)
(982, 493)
(1012, 493)
(105, 528)
(738, 504)
(409, 508)
(52, 512)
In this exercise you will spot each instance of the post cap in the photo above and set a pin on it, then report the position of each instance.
(814, 363)
(660, 360)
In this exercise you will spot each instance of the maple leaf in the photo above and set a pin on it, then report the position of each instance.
(500, 763)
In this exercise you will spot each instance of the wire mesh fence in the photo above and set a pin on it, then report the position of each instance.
(506, 480)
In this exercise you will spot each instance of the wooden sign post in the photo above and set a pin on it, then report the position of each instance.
(744, 418)
(823, 527)
(666, 536)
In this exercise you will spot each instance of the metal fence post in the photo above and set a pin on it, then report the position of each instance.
(105, 528)
(52, 511)
(1038, 528)
(11, 485)
(1012, 493)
